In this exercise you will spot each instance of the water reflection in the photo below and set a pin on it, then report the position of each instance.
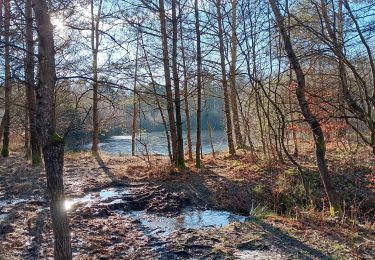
(188, 219)
(156, 143)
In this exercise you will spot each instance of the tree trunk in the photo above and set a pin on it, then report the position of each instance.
(320, 145)
(52, 143)
(294, 134)
(135, 100)
(199, 87)
(160, 108)
(2, 128)
(168, 84)
(180, 161)
(233, 87)
(36, 157)
(27, 135)
(228, 118)
(186, 97)
(95, 86)
(7, 83)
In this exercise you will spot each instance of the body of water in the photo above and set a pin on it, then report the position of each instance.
(156, 143)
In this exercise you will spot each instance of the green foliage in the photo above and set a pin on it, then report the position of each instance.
(57, 138)
(260, 212)
(290, 191)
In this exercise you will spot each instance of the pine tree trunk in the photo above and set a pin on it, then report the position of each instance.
(233, 87)
(199, 88)
(135, 100)
(180, 162)
(228, 118)
(2, 128)
(95, 99)
(168, 84)
(186, 96)
(7, 83)
(36, 152)
(52, 143)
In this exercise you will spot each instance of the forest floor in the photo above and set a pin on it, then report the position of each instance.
(120, 208)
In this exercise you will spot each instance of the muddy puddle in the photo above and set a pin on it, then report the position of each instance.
(156, 223)
(142, 210)
(188, 219)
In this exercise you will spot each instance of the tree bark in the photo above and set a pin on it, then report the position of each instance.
(168, 84)
(135, 99)
(95, 86)
(36, 157)
(199, 87)
(233, 87)
(7, 82)
(186, 97)
(228, 118)
(2, 128)
(180, 161)
(52, 144)
(320, 145)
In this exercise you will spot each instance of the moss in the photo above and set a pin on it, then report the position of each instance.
(335, 211)
(180, 164)
(57, 138)
(198, 164)
(36, 159)
(5, 152)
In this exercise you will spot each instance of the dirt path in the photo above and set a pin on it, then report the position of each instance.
(120, 209)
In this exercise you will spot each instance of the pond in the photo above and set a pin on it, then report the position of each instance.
(155, 143)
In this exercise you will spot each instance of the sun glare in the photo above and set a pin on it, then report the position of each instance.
(57, 23)
(68, 204)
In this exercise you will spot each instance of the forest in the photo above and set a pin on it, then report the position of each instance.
(187, 129)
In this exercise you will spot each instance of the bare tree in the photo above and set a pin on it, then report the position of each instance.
(7, 82)
(52, 144)
(180, 161)
(36, 156)
(95, 22)
(224, 81)
(168, 84)
(320, 145)
(233, 89)
(199, 86)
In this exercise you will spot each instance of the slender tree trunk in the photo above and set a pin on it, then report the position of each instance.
(228, 118)
(294, 134)
(157, 100)
(95, 86)
(208, 124)
(2, 128)
(168, 84)
(180, 162)
(135, 100)
(27, 136)
(1, 35)
(7, 82)
(320, 145)
(262, 139)
(52, 143)
(186, 97)
(199, 87)
(36, 156)
(233, 87)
